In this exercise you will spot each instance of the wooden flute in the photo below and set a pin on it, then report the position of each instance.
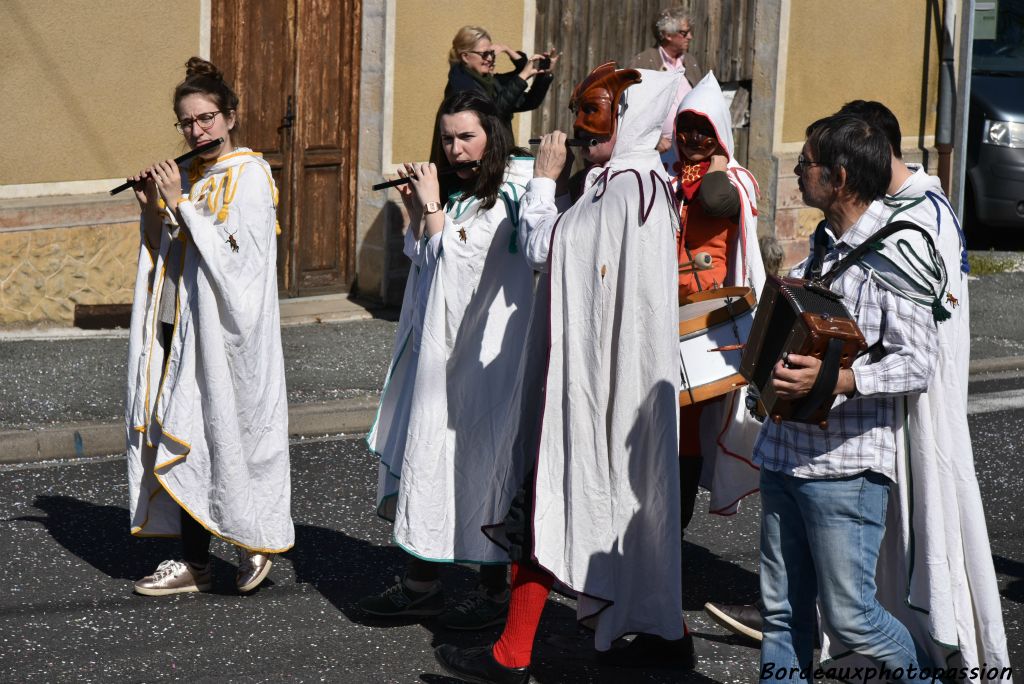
(213, 144)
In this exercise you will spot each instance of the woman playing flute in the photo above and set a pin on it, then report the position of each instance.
(443, 432)
(206, 414)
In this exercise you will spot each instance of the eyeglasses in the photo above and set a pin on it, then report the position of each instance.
(803, 162)
(486, 55)
(205, 122)
(685, 33)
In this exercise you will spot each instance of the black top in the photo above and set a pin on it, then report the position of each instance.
(509, 93)
(717, 194)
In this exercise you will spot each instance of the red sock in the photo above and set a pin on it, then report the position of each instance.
(530, 589)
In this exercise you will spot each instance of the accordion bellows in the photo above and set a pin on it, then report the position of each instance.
(799, 317)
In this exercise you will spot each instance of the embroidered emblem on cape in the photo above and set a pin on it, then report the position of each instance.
(231, 241)
(604, 271)
(462, 234)
(951, 300)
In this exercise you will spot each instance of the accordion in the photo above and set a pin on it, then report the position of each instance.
(800, 317)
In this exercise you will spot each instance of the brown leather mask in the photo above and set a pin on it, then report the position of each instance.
(595, 100)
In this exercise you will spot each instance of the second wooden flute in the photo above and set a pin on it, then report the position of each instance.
(571, 142)
(402, 181)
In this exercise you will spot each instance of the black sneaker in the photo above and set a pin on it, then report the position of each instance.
(399, 600)
(477, 611)
(478, 665)
(650, 650)
(743, 620)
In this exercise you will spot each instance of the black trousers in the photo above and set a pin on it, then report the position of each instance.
(195, 539)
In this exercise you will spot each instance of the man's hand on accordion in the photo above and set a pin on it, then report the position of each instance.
(794, 376)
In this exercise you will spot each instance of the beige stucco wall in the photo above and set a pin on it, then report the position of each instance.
(839, 51)
(423, 36)
(87, 85)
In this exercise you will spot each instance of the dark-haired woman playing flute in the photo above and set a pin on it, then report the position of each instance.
(443, 432)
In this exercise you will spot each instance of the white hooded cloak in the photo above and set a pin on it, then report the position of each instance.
(450, 403)
(212, 436)
(728, 431)
(606, 507)
(935, 571)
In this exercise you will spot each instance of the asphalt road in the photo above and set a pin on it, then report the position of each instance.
(67, 613)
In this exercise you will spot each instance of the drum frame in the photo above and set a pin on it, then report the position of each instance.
(742, 301)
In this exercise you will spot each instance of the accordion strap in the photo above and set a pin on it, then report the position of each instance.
(873, 243)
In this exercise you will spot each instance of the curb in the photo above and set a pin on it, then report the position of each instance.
(1002, 363)
(355, 415)
(79, 440)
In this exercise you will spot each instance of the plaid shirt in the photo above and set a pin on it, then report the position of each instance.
(860, 435)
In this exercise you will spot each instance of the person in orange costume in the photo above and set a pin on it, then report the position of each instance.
(717, 247)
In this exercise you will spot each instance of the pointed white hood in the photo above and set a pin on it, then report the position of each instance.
(644, 107)
(707, 99)
(745, 264)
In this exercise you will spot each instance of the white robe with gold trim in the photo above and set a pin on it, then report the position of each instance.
(212, 434)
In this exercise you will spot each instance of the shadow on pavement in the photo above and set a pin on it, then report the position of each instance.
(707, 577)
(99, 536)
(1014, 591)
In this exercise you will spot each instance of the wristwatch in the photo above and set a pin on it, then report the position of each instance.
(431, 207)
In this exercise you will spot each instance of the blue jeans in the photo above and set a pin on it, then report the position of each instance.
(820, 540)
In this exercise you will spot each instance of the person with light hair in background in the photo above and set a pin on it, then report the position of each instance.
(473, 60)
(673, 31)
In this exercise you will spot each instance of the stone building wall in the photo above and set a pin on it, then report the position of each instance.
(55, 257)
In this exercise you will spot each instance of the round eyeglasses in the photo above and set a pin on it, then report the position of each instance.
(205, 122)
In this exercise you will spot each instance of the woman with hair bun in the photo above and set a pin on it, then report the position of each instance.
(206, 412)
(444, 432)
(473, 58)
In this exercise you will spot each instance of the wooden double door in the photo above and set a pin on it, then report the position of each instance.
(295, 67)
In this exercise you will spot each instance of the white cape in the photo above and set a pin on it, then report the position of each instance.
(606, 513)
(728, 430)
(935, 571)
(219, 419)
(450, 404)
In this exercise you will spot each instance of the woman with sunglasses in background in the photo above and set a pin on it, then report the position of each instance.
(207, 414)
(473, 58)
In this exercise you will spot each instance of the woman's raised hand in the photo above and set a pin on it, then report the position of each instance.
(424, 182)
(162, 179)
(145, 190)
(408, 193)
(530, 70)
(552, 55)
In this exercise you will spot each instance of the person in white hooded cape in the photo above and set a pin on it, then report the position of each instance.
(208, 432)
(599, 513)
(935, 571)
(605, 521)
(728, 430)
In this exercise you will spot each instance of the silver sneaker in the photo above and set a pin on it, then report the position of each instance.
(175, 577)
(253, 568)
